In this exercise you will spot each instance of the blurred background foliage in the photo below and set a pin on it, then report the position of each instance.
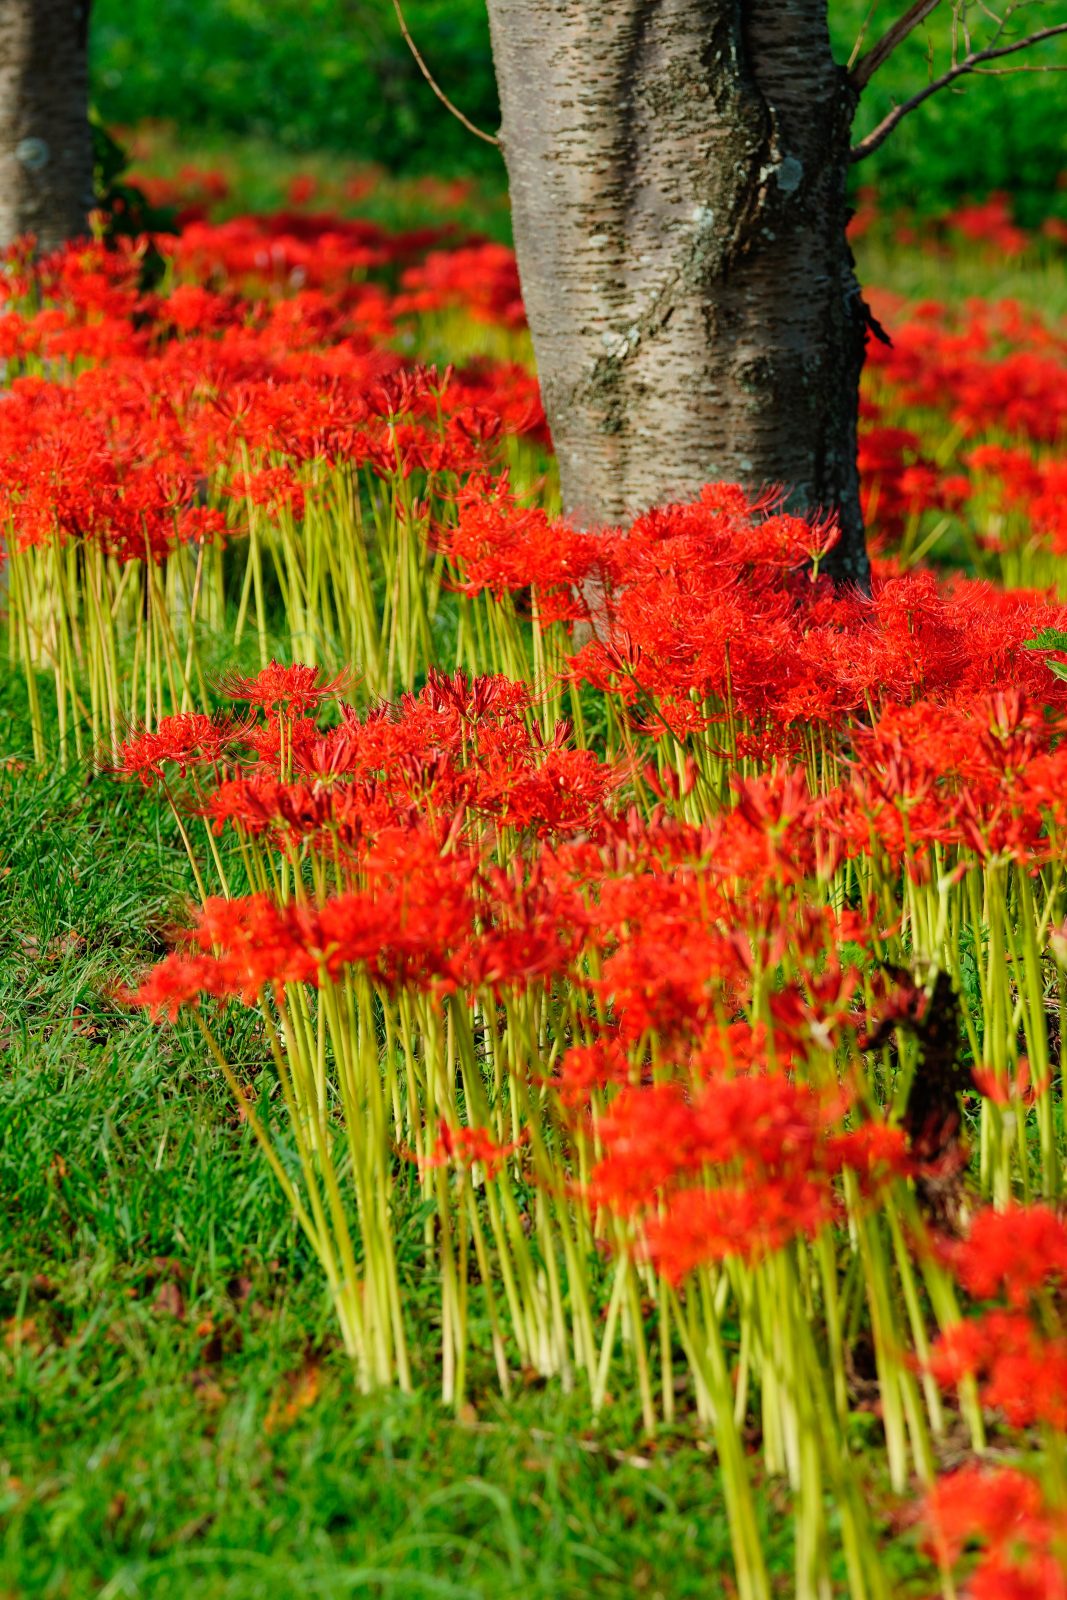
(336, 75)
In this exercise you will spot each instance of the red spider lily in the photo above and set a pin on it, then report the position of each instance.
(767, 1149)
(704, 614)
(989, 222)
(1024, 1372)
(190, 738)
(482, 277)
(1020, 1087)
(498, 545)
(296, 688)
(586, 1067)
(699, 1226)
(660, 988)
(467, 1147)
(273, 487)
(1012, 1252)
(460, 750)
(900, 481)
(657, 1136)
(1022, 1537)
(178, 980)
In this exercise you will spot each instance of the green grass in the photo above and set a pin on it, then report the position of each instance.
(1039, 280)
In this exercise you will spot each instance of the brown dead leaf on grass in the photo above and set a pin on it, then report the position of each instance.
(170, 1301)
(296, 1393)
(208, 1391)
(24, 1333)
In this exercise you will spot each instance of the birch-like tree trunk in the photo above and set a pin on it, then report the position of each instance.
(46, 157)
(677, 172)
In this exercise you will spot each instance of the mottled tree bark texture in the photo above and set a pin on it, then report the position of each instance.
(46, 160)
(677, 173)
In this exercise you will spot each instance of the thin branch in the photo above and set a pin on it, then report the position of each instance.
(858, 46)
(881, 133)
(879, 53)
(1013, 72)
(479, 133)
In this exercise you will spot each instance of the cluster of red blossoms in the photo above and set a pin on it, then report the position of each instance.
(988, 224)
(468, 853)
(708, 606)
(1023, 1539)
(775, 1144)
(458, 751)
(275, 348)
(1018, 1350)
(986, 383)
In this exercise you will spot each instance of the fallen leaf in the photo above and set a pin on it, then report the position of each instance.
(207, 1390)
(297, 1392)
(170, 1300)
(23, 1331)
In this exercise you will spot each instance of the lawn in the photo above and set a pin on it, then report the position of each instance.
(413, 1258)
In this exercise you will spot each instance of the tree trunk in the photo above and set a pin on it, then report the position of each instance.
(677, 172)
(46, 158)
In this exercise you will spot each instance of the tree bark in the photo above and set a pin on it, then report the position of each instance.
(46, 157)
(677, 172)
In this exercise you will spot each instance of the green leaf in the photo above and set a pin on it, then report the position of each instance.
(1047, 639)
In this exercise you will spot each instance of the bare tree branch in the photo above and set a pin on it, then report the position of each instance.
(1013, 72)
(479, 133)
(881, 133)
(861, 36)
(879, 53)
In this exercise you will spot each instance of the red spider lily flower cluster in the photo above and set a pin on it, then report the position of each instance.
(1019, 1352)
(311, 285)
(482, 279)
(767, 1149)
(942, 360)
(191, 193)
(899, 480)
(985, 382)
(985, 776)
(460, 749)
(988, 223)
(196, 376)
(295, 688)
(1023, 1539)
(1032, 490)
(467, 1148)
(708, 605)
(190, 738)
